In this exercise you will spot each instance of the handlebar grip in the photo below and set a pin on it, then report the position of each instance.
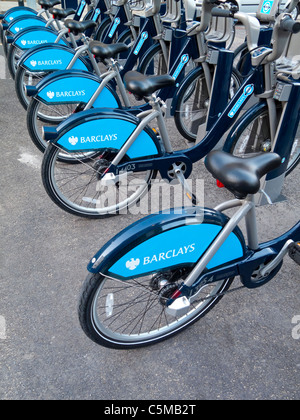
(216, 11)
(290, 25)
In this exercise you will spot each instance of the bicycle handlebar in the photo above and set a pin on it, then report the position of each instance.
(284, 26)
(251, 24)
(216, 11)
(290, 25)
(252, 27)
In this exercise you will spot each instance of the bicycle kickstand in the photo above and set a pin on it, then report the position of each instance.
(294, 252)
(179, 175)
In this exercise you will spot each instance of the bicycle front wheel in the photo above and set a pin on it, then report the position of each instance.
(193, 103)
(252, 137)
(133, 314)
(153, 62)
(78, 188)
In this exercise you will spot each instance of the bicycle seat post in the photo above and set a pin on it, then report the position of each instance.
(159, 105)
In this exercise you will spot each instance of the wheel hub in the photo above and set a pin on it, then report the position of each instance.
(100, 167)
(166, 292)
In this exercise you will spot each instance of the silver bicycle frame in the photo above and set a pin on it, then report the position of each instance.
(62, 33)
(146, 117)
(246, 211)
(79, 51)
(106, 77)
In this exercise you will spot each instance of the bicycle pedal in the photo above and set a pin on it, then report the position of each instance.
(294, 252)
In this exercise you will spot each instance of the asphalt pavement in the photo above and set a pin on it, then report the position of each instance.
(247, 347)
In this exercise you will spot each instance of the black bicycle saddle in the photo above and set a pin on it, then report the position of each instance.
(241, 176)
(47, 4)
(142, 85)
(107, 50)
(79, 27)
(61, 13)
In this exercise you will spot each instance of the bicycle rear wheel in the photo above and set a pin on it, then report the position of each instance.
(25, 78)
(77, 187)
(131, 314)
(40, 115)
(13, 56)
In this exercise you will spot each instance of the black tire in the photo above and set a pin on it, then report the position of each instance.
(13, 56)
(252, 136)
(24, 78)
(125, 38)
(153, 62)
(102, 30)
(6, 46)
(193, 103)
(136, 305)
(242, 60)
(37, 119)
(1, 34)
(76, 187)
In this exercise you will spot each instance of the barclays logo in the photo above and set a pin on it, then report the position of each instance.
(73, 140)
(50, 95)
(133, 264)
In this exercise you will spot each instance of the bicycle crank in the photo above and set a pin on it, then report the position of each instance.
(177, 172)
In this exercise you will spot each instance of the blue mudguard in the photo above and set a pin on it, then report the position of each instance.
(32, 37)
(73, 86)
(164, 242)
(104, 129)
(51, 57)
(16, 12)
(24, 22)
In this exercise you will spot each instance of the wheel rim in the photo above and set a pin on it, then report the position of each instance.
(79, 188)
(42, 119)
(256, 139)
(29, 79)
(194, 106)
(17, 53)
(130, 312)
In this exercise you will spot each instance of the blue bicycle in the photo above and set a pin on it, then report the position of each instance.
(22, 39)
(20, 17)
(44, 59)
(110, 149)
(166, 271)
(49, 105)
